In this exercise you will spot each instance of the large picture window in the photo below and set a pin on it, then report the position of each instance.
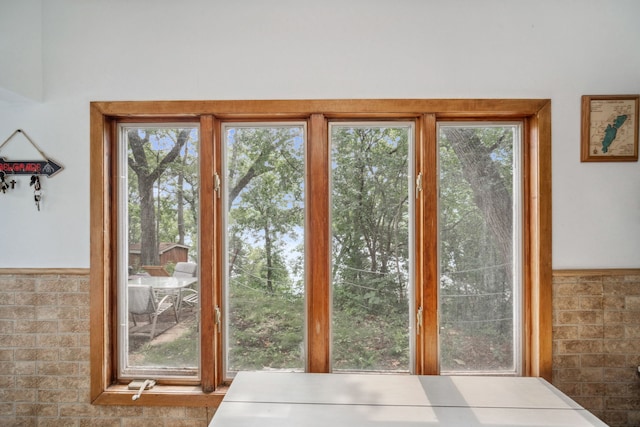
(318, 236)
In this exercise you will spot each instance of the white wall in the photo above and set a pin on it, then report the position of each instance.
(20, 50)
(295, 49)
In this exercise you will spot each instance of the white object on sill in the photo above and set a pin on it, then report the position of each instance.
(141, 386)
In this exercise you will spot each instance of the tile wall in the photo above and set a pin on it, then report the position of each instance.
(44, 351)
(596, 341)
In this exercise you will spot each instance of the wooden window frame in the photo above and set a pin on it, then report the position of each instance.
(104, 116)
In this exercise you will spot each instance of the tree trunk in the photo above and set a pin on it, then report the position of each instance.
(180, 200)
(490, 193)
(149, 251)
(268, 248)
(138, 162)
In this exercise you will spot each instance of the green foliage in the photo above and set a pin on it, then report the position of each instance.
(265, 184)
(476, 289)
(481, 347)
(178, 353)
(266, 330)
(371, 343)
(163, 186)
(370, 225)
(265, 181)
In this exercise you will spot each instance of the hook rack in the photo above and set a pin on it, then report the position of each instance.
(48, 167)
(35, 168)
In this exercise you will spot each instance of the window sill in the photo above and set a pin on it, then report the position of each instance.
(161, 395)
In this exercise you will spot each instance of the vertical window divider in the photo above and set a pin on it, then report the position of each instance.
(419, 280)
(208, 200)
(537, 244)
(427, 247)
(111, 276)
(218, 255)
(318, 247)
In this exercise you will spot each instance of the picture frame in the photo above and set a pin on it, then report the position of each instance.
(609, 131)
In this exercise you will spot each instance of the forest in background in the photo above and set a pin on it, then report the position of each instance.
(370, 240)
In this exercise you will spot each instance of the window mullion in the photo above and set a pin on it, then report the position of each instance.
(208, 228)
(318, 249)
(427, 247)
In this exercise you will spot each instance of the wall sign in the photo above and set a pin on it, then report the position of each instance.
(30, 167)
(46, 166)
(35, 168)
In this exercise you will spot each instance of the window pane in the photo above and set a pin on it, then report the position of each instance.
(479, 279)
(264, 247)
(370, 247)
(159, 250)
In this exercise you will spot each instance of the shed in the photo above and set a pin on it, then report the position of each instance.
(170, 253)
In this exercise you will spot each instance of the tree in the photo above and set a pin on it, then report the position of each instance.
(147, 165)
(490, 191)
(180, 199)
(476, 249)
(370, 221)
(265, 179)
(265, 190)
(370, 229)
(266, 214)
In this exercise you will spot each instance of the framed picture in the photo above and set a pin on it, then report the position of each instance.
(609, 128)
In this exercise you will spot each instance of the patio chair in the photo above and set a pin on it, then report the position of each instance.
(187, 269)
(142, 300)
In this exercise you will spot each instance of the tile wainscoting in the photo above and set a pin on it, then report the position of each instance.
(44, 358)
(44, 350)
(596, 341)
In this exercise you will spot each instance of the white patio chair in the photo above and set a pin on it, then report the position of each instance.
(142, 300)
(187, 269)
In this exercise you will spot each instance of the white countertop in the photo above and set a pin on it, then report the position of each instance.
(280, 399)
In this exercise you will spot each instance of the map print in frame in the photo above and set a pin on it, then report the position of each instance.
(609, 128)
